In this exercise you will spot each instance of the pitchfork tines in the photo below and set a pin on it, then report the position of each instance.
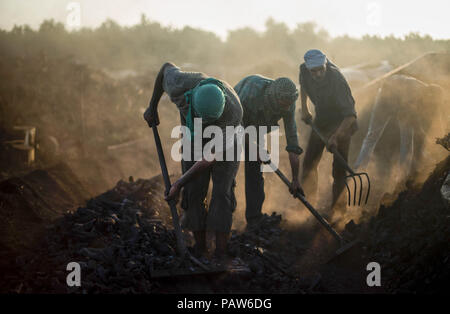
(352, 175)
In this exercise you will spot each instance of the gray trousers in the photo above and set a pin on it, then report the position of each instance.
(219, 215)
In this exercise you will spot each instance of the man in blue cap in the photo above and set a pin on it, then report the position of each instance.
(265, 101)
(326, 87)
(199, 96)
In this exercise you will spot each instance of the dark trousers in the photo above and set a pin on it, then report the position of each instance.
(254, 187)
(254, 190)
(218, 216)
(311, 161)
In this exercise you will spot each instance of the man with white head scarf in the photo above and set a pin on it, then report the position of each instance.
(326, 87)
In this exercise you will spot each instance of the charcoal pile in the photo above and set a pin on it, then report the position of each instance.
(444, 142)
(28, 204)
(123, 237)
(269, 254)
(117, 239)
(410, 239)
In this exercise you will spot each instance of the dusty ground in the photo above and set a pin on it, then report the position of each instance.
(123, 238)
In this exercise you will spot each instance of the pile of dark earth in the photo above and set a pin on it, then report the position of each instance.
(411, 238)
(124, 237)
(444, 142)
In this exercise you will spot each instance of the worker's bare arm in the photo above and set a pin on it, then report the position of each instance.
(295, 185)
(305, 114)
(344, 130)
(151, 114)
(196, 169)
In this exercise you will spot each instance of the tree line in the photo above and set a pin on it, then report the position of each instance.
(147, 44)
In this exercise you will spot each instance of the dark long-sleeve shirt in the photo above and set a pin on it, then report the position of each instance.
(332, 97)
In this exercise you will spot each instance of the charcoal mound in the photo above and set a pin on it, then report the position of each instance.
(29, 203)
(410, 238)
(123, 237)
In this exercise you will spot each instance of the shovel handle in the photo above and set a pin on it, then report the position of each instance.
(306, 203)
(181, 246)
(334, 151)
(162, 159)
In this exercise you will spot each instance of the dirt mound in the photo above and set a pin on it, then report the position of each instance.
(29, 203)
(444, 142)
(124, 238)
(410, 238)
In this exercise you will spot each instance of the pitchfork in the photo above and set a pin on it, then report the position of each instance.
(351, 175)
(345, 245)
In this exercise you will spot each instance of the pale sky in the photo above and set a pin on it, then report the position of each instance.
(338, 17)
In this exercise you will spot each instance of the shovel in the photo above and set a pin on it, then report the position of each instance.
(344, 245)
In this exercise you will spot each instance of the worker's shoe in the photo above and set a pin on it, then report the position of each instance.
(340, 208)
(200, 248)
(221, 245)
(339, 205)
(221, 258)
(326, 213)
(256, 223)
